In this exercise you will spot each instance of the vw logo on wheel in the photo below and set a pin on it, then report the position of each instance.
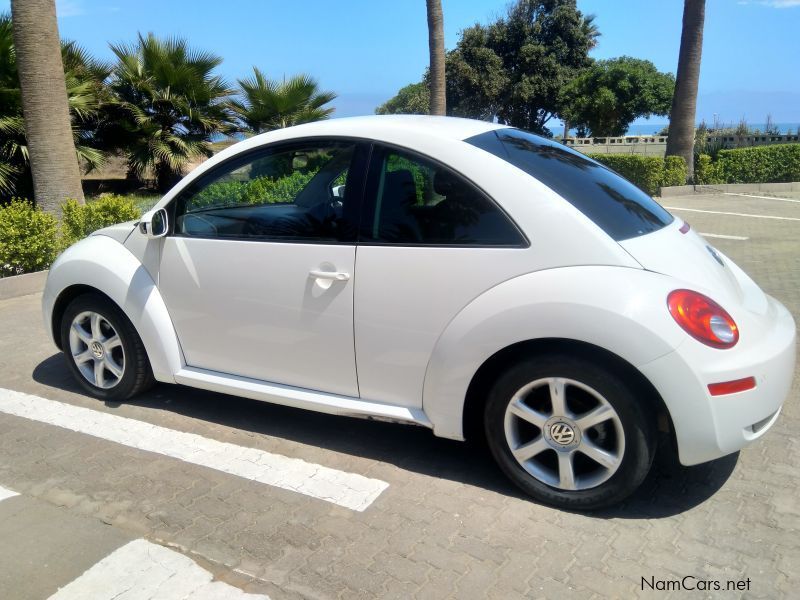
(561, 433)
(97, 349)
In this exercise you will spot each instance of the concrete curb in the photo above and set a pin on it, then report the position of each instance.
(22, 285)
(741, 188)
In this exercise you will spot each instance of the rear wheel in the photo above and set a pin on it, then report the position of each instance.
(103, 350)
(568, 432)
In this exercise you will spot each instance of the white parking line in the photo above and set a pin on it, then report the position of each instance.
(762, 197)
(733, 214)
(145, 571)
(349, 490)
(722, 236)
(5, 494)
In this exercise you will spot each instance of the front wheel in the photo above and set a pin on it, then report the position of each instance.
(569, 432)
(103, 350)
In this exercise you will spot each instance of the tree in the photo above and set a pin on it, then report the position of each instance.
(268, 105)
(438, 102)
(48, 130)
(684, 102)
(514, 68)
(608, 96)
(413, 99)
(84, 77)
(167, 105)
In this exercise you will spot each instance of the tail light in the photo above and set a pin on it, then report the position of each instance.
(703, 319)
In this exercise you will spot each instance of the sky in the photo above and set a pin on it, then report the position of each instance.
(365, 50)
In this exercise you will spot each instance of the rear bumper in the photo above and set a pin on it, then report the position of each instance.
(709, 427)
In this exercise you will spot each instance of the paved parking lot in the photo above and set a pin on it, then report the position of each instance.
(440, 522)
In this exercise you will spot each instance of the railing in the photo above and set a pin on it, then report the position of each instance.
(630, 144)
(656, 145)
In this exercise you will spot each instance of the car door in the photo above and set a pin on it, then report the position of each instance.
(258, 272)
(430, 242)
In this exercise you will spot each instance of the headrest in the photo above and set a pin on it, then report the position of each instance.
(444, 182)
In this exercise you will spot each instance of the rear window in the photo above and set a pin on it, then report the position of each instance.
(616, 205)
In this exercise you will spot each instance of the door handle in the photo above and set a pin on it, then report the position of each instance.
(333, 275)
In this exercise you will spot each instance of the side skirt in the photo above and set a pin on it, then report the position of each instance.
(299, 397)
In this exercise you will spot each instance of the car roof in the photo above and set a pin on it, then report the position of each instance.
(379, 126)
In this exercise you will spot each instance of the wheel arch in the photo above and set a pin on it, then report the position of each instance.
(492, 367)
(101, 265)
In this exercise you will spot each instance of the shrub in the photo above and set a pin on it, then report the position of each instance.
(760, 164)
(28, 238)
(644, 171)
(706, 172)
(81, 220)
(674, 171)
(647, 172)
(259, 190)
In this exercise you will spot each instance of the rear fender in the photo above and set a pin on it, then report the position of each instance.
(622, 310)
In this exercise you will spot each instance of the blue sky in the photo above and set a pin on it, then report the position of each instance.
(366, 49)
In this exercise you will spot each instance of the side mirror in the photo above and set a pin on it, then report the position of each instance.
(154, 224)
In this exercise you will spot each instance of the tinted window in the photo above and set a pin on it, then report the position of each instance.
(419, 202)
(620, 208)
(287, 194)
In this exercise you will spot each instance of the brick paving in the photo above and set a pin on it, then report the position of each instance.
(449, 525)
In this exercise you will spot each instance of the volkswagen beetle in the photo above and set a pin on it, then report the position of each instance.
(460, 275)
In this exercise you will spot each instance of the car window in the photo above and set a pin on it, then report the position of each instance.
(616, 205)
(417, 201)
(297, 193)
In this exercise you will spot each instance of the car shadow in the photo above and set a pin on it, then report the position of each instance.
(668, 490)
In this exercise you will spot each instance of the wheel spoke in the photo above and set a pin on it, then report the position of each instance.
(112, 366)
(97, 333)
(526, 413)
(595, 416)
(84, 336)
(99, 377)
(558, 397)
(112, 343)
(83, 357)
(531, 449)
(604, 458)
(566, 474)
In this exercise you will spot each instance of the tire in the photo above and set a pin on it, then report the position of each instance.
(111, 341)
(602, 412)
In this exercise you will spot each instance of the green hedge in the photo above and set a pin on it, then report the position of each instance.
(647, 172)
(760, 164)
(706, 171)
(259, 190)
(80, 220)
(28, 238)
(31, 239)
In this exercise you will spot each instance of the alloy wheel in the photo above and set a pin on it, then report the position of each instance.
(564, 433)
(96, 349)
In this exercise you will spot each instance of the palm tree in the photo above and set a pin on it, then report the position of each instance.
(48, 130)
(590, 30)
(84, 77)
(684, 101)
(268, 104)
(436, 48)
(167, 105)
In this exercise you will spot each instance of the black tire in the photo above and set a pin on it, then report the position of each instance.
(635, 415)
(137, 376)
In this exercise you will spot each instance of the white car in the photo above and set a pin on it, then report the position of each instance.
(460, 275)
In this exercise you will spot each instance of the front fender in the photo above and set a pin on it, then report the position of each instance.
(622, 310)
(104, 264)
